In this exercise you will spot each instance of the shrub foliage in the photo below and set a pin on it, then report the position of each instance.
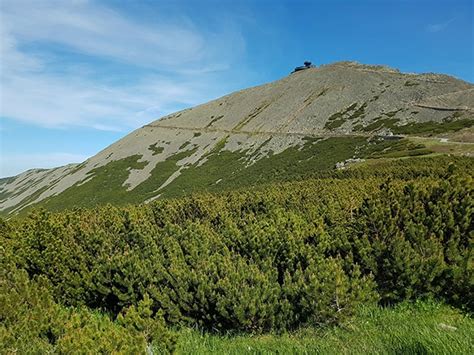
(274, 258)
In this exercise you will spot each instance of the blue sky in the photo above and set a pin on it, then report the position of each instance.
(77, 75)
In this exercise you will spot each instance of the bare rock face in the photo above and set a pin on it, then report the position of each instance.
(340, 99)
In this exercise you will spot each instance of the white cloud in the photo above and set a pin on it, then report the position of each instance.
(97, 30)
(438, 27)
(53, 101)
(37, 87)
(16, 163)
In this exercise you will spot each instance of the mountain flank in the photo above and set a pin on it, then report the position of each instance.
(302, 124)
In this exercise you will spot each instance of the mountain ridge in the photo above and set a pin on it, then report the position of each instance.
(343, 102)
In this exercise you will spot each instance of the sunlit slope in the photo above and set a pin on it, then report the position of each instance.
(302, 124)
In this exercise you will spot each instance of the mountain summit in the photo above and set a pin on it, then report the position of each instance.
(304, 123)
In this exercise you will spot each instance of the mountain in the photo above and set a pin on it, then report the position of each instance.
(305, 123)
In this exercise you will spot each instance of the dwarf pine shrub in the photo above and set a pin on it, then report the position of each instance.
(278, 258)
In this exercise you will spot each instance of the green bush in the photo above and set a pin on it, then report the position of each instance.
(274, 258)
(31, 322)
(417, 241)
(228, 270)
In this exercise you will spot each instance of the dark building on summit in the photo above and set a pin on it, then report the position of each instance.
(306, 65)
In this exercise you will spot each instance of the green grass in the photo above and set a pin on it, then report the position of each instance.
(223, 170)
(155, 149)
(184, 145)
(422, 128)
(104, 184)
(334, 124)
(449, 147)
(411, 83)
(420, 328)
(398, 149)
(335, 120)
(6, 180)
(379, 123)
(213, 120)
(350, 113)
(434, 127)
(5, 194)
(230, 167)
(391, 113)
(160, 173)
(359, 112)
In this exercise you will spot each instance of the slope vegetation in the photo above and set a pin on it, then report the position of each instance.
(343, 255)
(302, 124)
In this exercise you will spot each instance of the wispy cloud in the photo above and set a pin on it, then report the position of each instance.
(60, 102)
(438, 27)
(90, 28)
(166, 64)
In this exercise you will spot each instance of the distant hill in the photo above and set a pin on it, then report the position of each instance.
(306, 123)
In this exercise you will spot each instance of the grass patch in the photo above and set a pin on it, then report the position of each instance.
(411, 83)
(424, 128)
(391, 113)
(252, 115)
(419, 328)
(155, 149)
(337, 119)
(293, 163)
(398, 149)
(26, 200)
(105, 185)
(314, 157)
(375, 98)
(438, 146)
(430, 128)
(334, 124)
(359, 112)
(213, 120)
(3, 193)
(184, 145)
(378, 124)
(160, 173)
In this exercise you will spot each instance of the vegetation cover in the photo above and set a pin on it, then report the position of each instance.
(408, 328)
(220, 170)
(274, 258)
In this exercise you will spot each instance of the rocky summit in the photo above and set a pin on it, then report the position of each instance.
(306, 123)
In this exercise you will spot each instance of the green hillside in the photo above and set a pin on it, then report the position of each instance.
(330, 211)
(300, 259)
(224, 170)
(299, 126)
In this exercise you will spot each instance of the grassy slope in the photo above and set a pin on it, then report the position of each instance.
(422, 128)
(420, 328)
(103, 184)
(228, 170)
(5, 181)
(430, 128)
(444, 147)
(223, 170)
